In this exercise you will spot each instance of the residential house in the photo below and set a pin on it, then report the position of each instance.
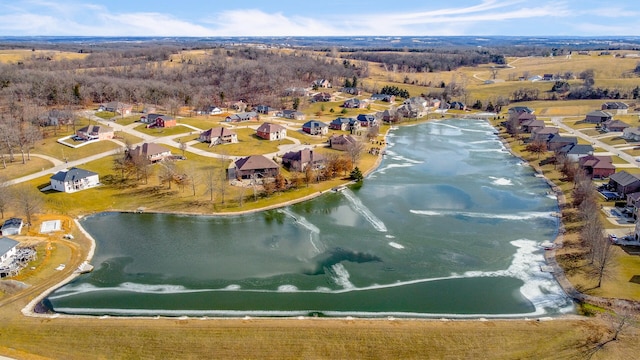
(321, 83)
(95, 132)
(322, 97)
(218, 135)
(12, 226)
(633, 200)
(300, 160)
(575, 151)
(598, 117)
(383, 97)
(55, 117)
(253, 167)
(544, 134)
(163, 121)
(520, 110)
(209, 110)
(150, 118)
(367, 120)
(354, 104)
(614, 126)
(264, 109)
(344, 124)
(342, 142)
(415, 107)
(556, 142)
(631, 133)
(457, 105)
(269, 131)
(238, 105)
(598, 167)
(315, 127)
(291, 114)
(531, 125)
(151, 152)
(624, 183)
(617, 107)
(73, 180)
(296, 91)
(243, 116)
(8, 249)
(388, 115)
(351, 91)
(435, 103)
(117, 107)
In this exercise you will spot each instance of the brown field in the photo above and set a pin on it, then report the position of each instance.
(14, 56)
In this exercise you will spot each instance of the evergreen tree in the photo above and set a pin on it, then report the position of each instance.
(356, 174)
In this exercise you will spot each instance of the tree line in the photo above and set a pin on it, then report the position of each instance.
(162, 75)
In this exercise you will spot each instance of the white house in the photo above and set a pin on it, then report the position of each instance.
(12, 226)
(8, 248)
(73, 180)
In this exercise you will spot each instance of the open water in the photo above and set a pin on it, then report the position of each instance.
(449, 225)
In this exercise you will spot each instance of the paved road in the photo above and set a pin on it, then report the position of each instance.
(169, 140)
(558, 121)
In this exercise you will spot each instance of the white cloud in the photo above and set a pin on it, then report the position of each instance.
(485, 17)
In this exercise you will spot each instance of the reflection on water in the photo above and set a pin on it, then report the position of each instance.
(448, 225)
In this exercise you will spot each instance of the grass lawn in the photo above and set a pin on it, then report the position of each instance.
(106, 114)
(17, 169)
(616, 140)
(127, 138)
(203, 122)
(127, 120)
(175, 130)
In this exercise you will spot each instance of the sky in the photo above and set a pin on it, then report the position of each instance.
(319, 18)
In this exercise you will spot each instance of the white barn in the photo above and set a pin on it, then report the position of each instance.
(73, 180)
(12, 226)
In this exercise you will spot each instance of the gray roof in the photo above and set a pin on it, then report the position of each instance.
(72, 175)
(7, 244)
(624, 178)
(314, 124)
(600, 113)
(13, 222)
(578, 149)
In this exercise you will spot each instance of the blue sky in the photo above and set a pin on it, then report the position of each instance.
(318, 18)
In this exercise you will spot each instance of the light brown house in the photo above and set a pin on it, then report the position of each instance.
(269, 131)
(151, 152)
(341, 142)
(219, 135)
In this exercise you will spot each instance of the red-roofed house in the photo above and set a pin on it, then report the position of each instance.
(597, 166)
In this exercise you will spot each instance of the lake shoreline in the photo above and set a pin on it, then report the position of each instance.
(89, 257)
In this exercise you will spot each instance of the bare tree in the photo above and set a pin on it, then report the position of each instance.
(210, 181)
(29, 200)
(355, 151)
(223, 184)
(537, 147)
(167, 173)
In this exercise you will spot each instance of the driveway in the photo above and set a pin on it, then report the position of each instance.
(558, 121)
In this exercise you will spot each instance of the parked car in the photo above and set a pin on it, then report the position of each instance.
(613, 238)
